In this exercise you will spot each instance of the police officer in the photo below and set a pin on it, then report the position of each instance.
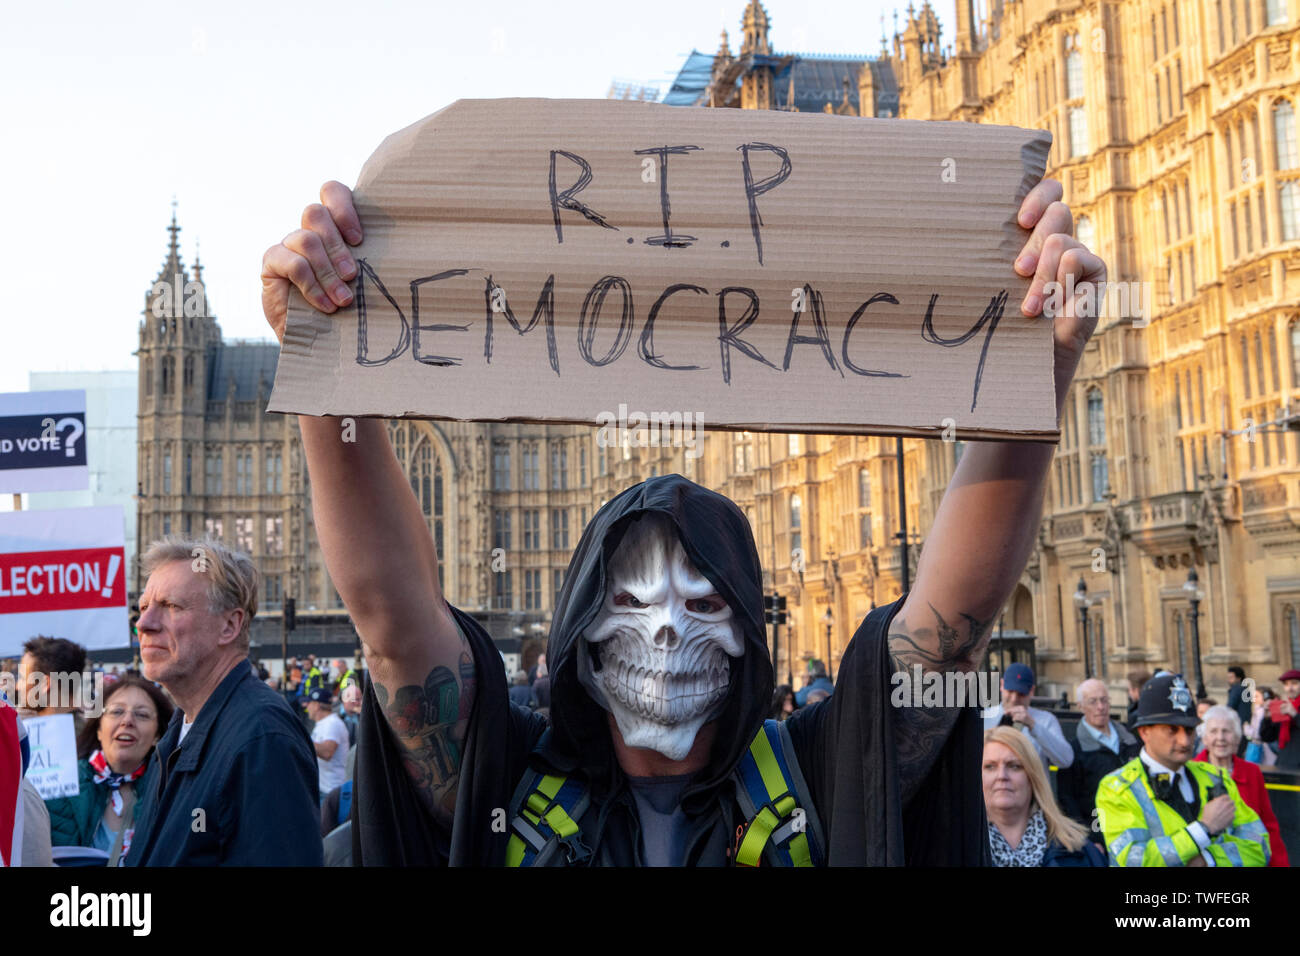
(1164, 809)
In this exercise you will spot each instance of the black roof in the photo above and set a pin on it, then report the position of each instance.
(248, 363)
(818, 80)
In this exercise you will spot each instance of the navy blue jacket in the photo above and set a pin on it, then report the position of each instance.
(248, 764)
(1087, 855)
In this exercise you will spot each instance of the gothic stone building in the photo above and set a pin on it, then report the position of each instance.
(1175, 138)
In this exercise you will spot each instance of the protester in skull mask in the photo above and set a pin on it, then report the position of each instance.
(652, 719)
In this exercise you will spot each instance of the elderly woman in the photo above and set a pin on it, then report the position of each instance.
(1026, 827)
(120, 741)
(1221, 732)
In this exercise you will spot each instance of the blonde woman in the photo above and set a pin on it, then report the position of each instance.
(1026, 827)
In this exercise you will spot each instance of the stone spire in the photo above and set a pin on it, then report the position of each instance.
(172, 264)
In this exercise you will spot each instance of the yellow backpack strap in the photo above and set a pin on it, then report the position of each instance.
(777, 805)
(544, 823)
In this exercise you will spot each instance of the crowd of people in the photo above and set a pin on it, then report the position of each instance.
(1172, 785)
(264, 774)
(1217, 754)
(1032, 822)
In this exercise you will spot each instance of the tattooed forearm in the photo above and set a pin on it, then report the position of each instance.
(430, 722)
(920, 732)
(943, 647)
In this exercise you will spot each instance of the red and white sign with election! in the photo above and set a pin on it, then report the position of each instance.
(63, 574)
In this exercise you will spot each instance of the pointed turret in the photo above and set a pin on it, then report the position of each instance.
(172, 264)
(755, 25)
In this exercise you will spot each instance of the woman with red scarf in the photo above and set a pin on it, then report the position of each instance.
(1221, 732)
(122, 738)
(1283, 723)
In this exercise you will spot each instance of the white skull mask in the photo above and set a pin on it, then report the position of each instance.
(665, 641)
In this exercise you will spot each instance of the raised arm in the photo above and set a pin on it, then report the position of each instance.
(376, 543)
(988, 520)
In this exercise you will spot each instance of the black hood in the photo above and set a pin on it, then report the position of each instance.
(717, 539)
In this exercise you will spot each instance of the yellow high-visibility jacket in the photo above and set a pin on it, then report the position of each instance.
(1143, 831)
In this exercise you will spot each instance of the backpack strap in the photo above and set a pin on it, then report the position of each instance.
(782, 822)
(545, 811)
(345, 803)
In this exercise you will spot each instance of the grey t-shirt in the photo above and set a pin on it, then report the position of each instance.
(663, 823)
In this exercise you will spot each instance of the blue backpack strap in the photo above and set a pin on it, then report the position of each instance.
(345, 802)
(781, 822)
(544, 821)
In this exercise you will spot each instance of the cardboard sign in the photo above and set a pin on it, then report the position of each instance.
(42, 441)
(53, 767)
(63, 574)
(553, 260)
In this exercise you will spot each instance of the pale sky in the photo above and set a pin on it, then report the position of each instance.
(241, 110)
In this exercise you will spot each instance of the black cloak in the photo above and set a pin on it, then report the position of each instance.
(845, 745)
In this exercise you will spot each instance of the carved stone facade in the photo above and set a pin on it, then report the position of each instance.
(1175, 139)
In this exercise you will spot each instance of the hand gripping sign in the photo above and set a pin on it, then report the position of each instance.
(549, 260)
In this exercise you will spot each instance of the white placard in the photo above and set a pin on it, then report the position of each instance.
(53, 768)
(63, 574)
(43, 441)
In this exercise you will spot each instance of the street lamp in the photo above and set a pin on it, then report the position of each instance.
(1196, 596)
(829, 618)
(1081, 602)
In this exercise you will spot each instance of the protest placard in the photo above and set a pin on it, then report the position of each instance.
(42, 441)
(53, 766)
(63, 574)
(553, 260)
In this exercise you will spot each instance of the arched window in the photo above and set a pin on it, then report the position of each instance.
(1096, 418)
(148, 376)
(1245, 367)
(864, 488)
(437, 489)
(796, 522)
(1259, 365)
(1284, 141)
(168, 374)
(1086, 233)
(1288, 198)
(188, 380)
(1272, 357)
(1295, 353)
(1097, 445)
(1292, 624)
(1073, 68)
(1099, 644)
(397, 435)
(422, 477)
(1200, 392)
(438, 511)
